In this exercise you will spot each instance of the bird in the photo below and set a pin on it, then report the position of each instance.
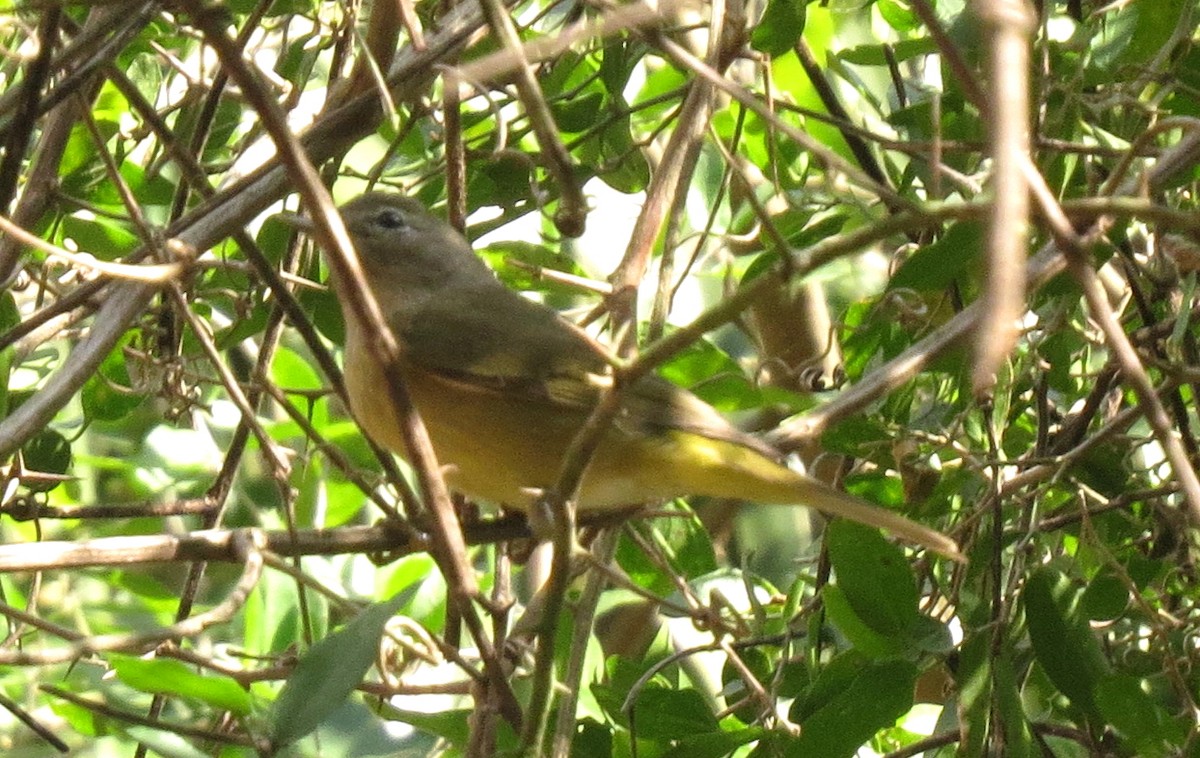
(503, 384)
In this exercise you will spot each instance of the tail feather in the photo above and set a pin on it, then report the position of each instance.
(745, 474)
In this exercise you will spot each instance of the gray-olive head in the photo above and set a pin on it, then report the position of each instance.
(405, 249)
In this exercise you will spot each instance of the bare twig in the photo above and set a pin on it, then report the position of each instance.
(1011, 22)
(572, 208)
(248, 545)
(149, 273)
(127, 716)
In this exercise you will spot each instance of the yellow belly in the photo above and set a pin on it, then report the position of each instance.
(505, 450)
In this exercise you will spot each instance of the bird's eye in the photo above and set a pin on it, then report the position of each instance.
(390, 218)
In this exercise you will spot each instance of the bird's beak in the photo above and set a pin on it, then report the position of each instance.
(297, 221)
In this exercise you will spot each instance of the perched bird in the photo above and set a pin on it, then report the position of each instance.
(503, 384)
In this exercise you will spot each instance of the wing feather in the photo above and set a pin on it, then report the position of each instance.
(525, 349)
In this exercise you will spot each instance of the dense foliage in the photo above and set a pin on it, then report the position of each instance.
(755, 179)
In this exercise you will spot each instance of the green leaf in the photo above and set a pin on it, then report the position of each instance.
(293, 372)
(224, 127)
(1132, 35)
(243, 328)
(578, 113)
(326, 675)
(716, 745)
(686, 544)
(149, 188)
(793, 81)
(874, 55)
(865, 697)
(164, 743)
(641, 569)
(1105, 598)
(621, 57)
(780, 28)
(855, 433)
(272, 616)
(661, 713)
(1150, 731)
(625, 167)
(622, 674)
(356, 729)
(299, 55)
(799, 229)
(864, 639)
(166, 676)
(107, 394)
(929, 635)
(322, 306)
(660, 83)
(103, 238)
(827, 682)
(500, 256)
(569, 73)
(79, 156)
(936, 266)
(450, 725)
(9, 317)
(1018, 735)
(714, 376)
(874, 576)
(503, 180)
(1063, 643)
(48, 452)
(592, 740)
(418, 578)
(898, 15)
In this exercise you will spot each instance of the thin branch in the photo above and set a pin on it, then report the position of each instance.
(572, 208)
(217, 545)
(247, 545)
(1011, 22)
(129, 717)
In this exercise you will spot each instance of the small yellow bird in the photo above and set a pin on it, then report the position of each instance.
(503, 384)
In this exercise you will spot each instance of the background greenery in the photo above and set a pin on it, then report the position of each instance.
(850, 133)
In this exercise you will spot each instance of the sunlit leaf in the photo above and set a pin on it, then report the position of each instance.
(328, 672)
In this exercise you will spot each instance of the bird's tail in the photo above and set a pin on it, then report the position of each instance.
(742, 473)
